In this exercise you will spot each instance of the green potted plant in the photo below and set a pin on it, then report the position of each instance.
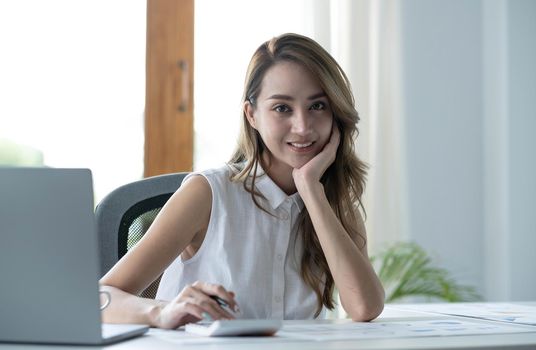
(407, 271)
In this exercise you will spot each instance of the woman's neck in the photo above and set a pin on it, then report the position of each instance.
(280, 173)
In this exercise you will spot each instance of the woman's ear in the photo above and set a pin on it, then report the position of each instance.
(249, 111)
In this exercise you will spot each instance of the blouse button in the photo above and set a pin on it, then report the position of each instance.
(278, 299)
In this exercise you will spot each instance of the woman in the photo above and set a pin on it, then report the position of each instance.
(277, 228)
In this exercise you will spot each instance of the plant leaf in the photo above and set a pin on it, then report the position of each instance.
(406, 270)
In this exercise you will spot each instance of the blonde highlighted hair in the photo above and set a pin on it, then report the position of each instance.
(344, 180)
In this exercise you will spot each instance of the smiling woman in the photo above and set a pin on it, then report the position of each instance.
(276, 228)
(293, 117)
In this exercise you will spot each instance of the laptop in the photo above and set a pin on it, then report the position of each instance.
(49, 260)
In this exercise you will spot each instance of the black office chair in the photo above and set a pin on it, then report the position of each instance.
(125, 215)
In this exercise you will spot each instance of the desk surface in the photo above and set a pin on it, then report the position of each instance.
(159, 339)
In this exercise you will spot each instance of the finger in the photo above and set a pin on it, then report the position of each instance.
(219, 291)
(192, 294)
(335, 135)
(227, 296)
(234, 305)
(332, 146)
(178, 314)
(210, 305)
(191, 308)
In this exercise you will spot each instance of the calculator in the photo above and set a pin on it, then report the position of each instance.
(241, 327)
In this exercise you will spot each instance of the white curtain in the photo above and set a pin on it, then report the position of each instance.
(363, 36)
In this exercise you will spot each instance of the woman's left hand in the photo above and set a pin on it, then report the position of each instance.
(311, 172)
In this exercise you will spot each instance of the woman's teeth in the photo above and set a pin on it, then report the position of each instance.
(301, 145)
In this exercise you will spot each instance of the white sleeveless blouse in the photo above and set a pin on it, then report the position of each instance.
(248, 251)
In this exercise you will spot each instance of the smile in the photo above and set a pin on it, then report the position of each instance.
(301, 147)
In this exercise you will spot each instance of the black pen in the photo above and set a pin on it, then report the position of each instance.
(224, 304)
(207, 319)
(220, 301)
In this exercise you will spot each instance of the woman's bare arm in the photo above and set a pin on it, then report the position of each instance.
(361, 292)
(184, 216)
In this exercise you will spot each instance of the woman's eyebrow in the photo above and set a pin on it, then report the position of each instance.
(290, 98)
(318, 95)
(280, 97)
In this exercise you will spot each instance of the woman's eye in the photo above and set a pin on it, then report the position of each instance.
(281, 109)
(318, 106)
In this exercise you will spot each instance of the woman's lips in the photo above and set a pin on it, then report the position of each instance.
(301, 147)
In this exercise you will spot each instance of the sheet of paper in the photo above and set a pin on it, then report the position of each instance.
(346, 330)
(396, 329)
(503, 312)
(180, 337)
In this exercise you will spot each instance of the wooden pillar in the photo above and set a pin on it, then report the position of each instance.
(169, 87)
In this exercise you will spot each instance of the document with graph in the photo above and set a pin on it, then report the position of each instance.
(503, 312)
(397, 329)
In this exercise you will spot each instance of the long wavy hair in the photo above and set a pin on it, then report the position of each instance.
(344, 180)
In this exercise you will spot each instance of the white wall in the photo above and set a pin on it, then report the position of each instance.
(441, 86)
(521, 70)
(469, 85)
(496, 173)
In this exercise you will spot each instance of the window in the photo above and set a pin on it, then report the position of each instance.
(73, 84)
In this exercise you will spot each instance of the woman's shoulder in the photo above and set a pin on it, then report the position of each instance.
(216, 178)
(224, 170)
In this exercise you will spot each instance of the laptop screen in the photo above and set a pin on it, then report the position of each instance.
(48, 256)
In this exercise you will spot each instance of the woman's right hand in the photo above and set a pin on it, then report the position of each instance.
(193, 302)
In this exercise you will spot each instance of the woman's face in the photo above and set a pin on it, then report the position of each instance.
(292, 115)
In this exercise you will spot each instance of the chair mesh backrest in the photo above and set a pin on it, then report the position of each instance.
(134, 224)
(139, 227)
(125, 215)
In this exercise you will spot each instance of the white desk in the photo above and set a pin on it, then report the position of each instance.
(158, 339)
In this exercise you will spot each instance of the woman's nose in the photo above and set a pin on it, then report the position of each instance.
(301, 123)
